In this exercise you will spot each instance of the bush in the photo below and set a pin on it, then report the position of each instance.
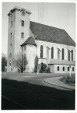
(21, 62)
(70, 80)
(44, 68)
(48, 70)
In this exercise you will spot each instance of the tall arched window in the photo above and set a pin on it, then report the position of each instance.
(41, 51)
(63, 54)
(72, 55)
(52, 52)
(68, 55)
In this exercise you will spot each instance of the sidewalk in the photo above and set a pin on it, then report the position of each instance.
(57, 83)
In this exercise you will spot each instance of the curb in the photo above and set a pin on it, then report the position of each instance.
(58, 86)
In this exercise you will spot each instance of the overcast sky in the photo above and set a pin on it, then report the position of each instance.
(61, 15)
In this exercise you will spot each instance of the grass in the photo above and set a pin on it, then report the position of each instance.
(36, 97)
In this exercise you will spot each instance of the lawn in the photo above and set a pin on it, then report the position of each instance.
(30, 96)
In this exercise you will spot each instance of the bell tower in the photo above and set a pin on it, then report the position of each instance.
(18, 32)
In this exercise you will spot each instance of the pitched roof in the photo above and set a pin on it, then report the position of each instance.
(51, 34)
(30, 41)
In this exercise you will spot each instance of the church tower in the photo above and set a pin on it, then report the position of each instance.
(18, 32)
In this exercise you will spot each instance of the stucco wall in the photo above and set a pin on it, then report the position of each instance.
(19, 29)
(10, 58)
(30, 54)
(16, 39)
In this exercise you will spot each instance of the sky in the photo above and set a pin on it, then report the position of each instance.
(60, 15)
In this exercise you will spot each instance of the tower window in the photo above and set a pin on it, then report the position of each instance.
(22, 23)
(10, 54)
(11, 23)
(11, 45)
(58, 68)
(11, 35)
(63, 68)
(22, 35)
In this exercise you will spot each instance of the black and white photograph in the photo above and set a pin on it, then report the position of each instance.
(38, 61)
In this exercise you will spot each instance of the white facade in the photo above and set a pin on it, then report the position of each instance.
(15, 51)
(56, 46)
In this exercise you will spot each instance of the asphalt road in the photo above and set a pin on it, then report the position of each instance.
(23, 95)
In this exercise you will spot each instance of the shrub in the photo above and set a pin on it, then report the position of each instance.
(21, 62)
(48, 70)
(43, 68)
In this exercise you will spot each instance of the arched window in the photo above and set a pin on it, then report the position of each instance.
(63, 54)
(22, 35)
(52, 52)
(72, 55)
(68, 55)
(22, 22)
(41, 51)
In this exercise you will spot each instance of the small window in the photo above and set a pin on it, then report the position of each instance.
(10, 54)
(22, 23)
(72, 68)
(68, 68)
(22, 35)
(11, 45)
(58, 68)
(11, 23)
(11, 35)
(63, 68)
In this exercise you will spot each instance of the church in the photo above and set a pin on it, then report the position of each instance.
(53, 46)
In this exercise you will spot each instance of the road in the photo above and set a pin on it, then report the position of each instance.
(24, 95)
